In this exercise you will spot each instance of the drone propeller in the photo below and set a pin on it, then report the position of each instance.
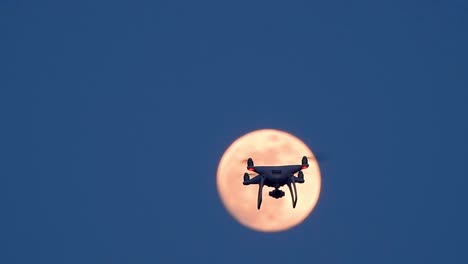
(316, 158)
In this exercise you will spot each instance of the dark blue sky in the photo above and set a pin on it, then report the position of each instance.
(115, 115)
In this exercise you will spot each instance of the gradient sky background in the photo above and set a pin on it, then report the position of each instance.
(115, 115)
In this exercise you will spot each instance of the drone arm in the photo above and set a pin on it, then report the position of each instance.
(254, 180)
(297, 168)
(297, 179)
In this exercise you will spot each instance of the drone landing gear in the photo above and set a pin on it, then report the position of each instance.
(293, 194)
(276, 193)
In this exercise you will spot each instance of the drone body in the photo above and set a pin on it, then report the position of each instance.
(276, 176)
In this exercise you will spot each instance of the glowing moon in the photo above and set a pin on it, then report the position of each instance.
(267, 147)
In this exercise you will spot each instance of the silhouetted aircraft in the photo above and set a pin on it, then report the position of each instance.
(276, 176)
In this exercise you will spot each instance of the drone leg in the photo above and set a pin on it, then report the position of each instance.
(291, 192)
(260, 188)
(295, 191)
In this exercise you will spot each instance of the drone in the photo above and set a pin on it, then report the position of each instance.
(276, 176)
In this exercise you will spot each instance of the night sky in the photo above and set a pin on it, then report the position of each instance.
(114, 115)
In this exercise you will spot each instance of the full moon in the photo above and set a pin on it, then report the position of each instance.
(267, 147)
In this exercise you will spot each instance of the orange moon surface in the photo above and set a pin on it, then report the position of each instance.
(267, 147)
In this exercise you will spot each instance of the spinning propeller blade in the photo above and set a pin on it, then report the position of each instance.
(319, 156)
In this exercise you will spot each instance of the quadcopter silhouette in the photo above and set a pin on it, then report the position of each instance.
(276, 176)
